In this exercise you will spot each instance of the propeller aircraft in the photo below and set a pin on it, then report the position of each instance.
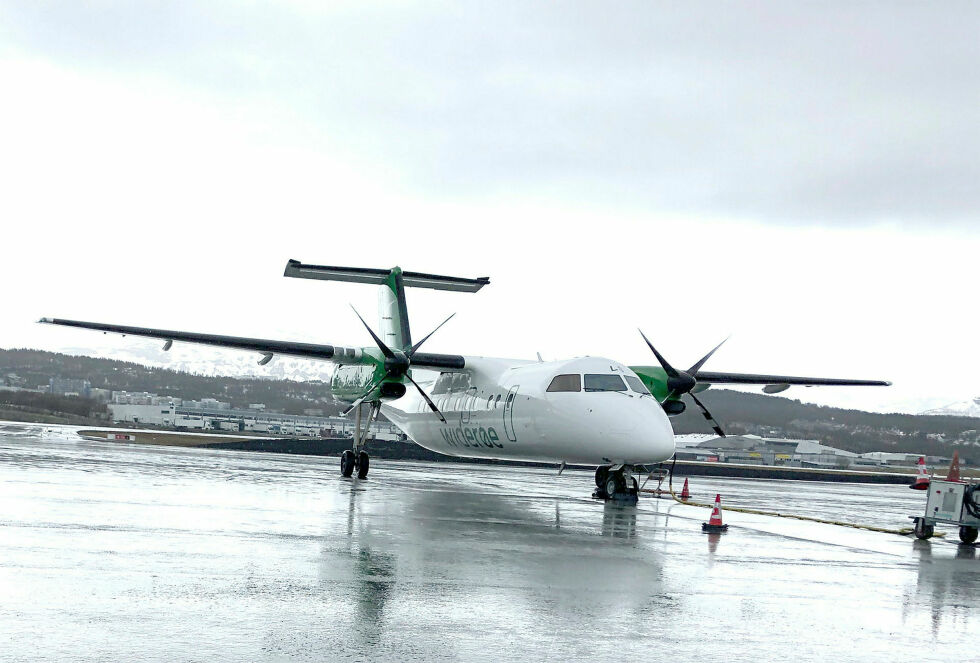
(590, 411)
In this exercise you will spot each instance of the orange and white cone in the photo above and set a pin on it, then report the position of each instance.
(953, 473)
(922, 478)
(714, 523)
(686, 491)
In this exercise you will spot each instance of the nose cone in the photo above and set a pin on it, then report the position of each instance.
(651, 439)
(636, 429)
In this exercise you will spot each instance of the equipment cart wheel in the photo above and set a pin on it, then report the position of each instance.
(922, 530)
(968, 534)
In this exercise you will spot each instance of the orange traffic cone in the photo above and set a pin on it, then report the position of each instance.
(686, 491)
(954, 468)
(922, 476)
(714, 523)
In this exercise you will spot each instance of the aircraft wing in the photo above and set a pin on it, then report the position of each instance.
(713, 377)
(265, 346)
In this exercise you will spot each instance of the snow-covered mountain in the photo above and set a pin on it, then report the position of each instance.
(969, 408)
(214, 361)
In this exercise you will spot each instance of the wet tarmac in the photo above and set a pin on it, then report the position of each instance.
(120, 552)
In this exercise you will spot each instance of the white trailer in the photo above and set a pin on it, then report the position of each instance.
(951, 503)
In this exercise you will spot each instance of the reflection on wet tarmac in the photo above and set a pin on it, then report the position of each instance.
(114, 552)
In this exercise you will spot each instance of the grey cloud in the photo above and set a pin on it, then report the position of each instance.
(791, 112)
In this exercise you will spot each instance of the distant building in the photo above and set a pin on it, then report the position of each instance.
(140, 398)
(69, 387)
(208, 404)
(153, 410)
(756, 450)
(101, 395)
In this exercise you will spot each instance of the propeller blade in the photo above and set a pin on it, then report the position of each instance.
(419, 344)
(671, 371)
(672, 394)
(707, 415)
(694, 369)
(432, 406)
(384, 348)
(366, 393)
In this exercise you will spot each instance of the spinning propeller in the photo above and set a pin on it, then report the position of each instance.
(683, 382)
(397, 363)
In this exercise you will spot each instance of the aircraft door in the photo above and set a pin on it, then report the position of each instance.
(509, 413)
(466, 405)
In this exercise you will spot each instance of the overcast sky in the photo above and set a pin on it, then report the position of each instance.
(802, 175)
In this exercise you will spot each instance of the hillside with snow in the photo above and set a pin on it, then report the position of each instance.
(968, 408)
(212, 361)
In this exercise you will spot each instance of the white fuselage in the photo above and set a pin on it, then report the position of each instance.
(503, 409)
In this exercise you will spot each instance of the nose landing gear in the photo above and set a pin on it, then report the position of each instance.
(616, 483)
(356, 458)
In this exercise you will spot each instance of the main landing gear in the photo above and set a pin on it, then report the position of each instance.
(356, 459)
(616, 483)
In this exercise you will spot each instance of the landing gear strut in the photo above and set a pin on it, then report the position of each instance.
(616, 483)
(356, 458)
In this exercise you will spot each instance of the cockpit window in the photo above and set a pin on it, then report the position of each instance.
(570, 382)
(601, 382)
(636, 384)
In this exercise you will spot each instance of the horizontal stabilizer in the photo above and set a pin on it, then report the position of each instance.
(298, 270)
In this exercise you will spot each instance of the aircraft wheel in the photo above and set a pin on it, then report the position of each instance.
(615, 485)
(921, 530)
(601, 474)
(363, 463)
(636, 487)
(347, 463)
(968, 534)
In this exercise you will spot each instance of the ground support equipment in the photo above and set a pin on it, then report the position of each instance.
(950, 503)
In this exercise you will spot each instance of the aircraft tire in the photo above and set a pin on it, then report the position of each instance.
(615, 485)
(363, 463)
(347, 463)
(601, 474)
(968, 534)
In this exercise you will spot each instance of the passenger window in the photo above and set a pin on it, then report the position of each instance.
(602, 382)
(496, 402)
(571, 382)
(636, 384)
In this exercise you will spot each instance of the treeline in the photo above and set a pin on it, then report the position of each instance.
(34, 402)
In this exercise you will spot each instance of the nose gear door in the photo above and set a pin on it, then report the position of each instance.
(509, 413)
